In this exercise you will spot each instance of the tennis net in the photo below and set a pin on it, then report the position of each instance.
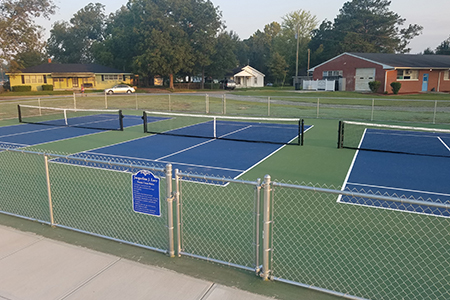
(394, 138)
(235, 128)
(104, 119)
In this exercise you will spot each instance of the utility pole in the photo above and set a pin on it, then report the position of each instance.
(296, 59)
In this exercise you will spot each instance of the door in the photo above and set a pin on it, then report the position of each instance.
(362, 78)
(425, 83)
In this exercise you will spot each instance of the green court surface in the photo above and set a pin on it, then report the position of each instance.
(378, 251)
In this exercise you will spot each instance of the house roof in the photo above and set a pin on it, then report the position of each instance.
(246, 71)
(72, 68)
(399, 61)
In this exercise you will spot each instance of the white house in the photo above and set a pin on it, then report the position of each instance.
(248, 77)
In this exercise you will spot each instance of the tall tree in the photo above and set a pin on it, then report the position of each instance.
(224, 58)
(365, 26)
(18, 31)
(278, 67)
(444, 48)
(173, 35)
(297, 28)
(72, 42)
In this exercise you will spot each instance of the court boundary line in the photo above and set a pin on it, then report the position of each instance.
(200, 144)
(445, 145)
(399, 189)
(351, 166)
(152, 160)
(339, 199)
(281, 147)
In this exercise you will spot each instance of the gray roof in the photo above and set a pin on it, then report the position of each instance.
(392, 61)
(72, 68)
(408, 60)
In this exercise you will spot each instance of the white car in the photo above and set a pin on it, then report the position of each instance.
(120, 88)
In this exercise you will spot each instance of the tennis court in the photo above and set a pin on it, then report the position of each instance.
(199, 144)
(411, 162)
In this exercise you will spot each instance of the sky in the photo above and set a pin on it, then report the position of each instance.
(247, 16)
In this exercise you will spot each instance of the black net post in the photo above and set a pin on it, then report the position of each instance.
(144, 117)
(340, 134)
(19, 113)
(121, 120)
(302, 128)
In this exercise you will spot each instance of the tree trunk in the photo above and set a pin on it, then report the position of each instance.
(171, 82)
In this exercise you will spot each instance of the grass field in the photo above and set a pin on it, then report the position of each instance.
(373, 253)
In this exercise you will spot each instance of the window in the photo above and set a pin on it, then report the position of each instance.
(111, 77)
(446, 75)
(407, 74)
(332, 73)
(256, 80)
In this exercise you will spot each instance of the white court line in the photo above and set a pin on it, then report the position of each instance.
(351, 166)
(152, 160)
(203, 143)
(269, 155)
(446, 146)
(398, 189)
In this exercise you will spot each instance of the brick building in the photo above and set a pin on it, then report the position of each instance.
(417, 73)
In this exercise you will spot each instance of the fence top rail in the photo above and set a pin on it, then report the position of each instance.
(343, 98)
(86, 159)
(212, 178)
(364, 195)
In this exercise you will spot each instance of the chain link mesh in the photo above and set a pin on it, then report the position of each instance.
(23, 185)
(348, 247)
(218, 222)
(98, 200)
(364, 251)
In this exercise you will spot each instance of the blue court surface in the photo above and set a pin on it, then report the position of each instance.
(217, 157)
(24, 135)
(201, 155)
(420, 171)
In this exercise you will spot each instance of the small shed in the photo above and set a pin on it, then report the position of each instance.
(248, 77)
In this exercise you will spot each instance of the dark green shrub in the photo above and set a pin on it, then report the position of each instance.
(374, 86)
(21, 88)
(396, 87)
(47, 87)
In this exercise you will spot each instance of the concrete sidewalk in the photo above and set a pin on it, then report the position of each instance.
(34, 267)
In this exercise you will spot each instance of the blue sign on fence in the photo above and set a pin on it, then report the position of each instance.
(146, 198)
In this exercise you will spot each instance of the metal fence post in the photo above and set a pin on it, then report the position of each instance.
(106, 100)
(170, 208)
(257, 227)
(74, 101)
(435, 110)
(49, 191)
(137, 103)
(170, 105)
(224, 110)
(373, 107)
(318, 101)
(266, 229)
(178, 211)
(207, 103)
(268, 106)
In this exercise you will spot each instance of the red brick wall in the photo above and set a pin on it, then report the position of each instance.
(415, 86)
(348, 65)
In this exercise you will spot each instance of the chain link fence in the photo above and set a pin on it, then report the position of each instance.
(288, 232)
(368, 109)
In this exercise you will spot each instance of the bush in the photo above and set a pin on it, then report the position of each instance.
(6, 86)
(396, 87)
(21, 88)
(47, 87)
(374, 86)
